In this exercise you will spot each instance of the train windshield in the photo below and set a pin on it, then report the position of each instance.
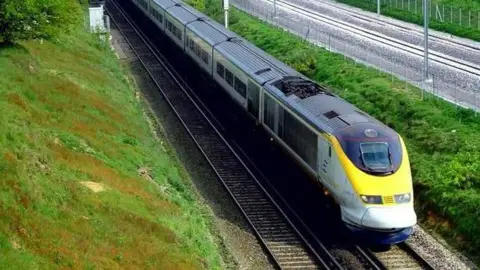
(374, 149)
(376, 155)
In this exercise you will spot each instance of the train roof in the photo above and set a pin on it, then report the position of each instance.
(166, 3)
(271, 60)
(212, 27)
(242, 57)
(314, 103)
(184, 13)
(204, 30)
(220, 28)
(322, 109)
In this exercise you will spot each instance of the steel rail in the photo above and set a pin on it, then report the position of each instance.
(419, 258)
(282, 240)
(391, 21)
(371, 258)
(402, 256)
(380, 38)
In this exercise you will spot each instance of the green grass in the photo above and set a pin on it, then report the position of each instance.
(68, 114)
(452, 18)
(442, 139)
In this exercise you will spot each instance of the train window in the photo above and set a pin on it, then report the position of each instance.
(229, 77)
(269, 112)
(300, 139)
(329, 151)
(157, 15)
(177, 32)
(379, 155)
(240, 87)
(168, 25)
(205, 57)
(198, 51)
(376, 155)
(191, 45)
(174, 30)
(281, 121)
(253, 98)
(194, 48)
(220, 70)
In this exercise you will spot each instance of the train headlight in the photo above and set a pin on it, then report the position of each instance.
(403, 198)
(371, 199)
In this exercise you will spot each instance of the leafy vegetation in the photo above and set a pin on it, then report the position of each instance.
(453, 28)
(442, 140)
(83, 183)
(31, 19)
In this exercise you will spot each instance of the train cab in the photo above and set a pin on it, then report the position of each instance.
(376, 164)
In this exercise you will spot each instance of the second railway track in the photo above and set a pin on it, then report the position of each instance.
(285, 243)
(417, 50)
(288, 248)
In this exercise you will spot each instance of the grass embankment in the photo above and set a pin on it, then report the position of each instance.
(451, 23)
(69, 119)
(442, 140)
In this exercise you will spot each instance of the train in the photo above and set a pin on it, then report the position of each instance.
(361, 162)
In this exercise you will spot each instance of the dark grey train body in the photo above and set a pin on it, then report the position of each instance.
(307, 120)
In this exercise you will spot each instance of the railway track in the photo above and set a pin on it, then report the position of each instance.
(389, 21)
(402, 256)
(282, 240)
(416, 50)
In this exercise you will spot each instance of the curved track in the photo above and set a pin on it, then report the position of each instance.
(288, 248)
(282, 239)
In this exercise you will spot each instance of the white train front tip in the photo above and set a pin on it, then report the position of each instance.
(386, 218)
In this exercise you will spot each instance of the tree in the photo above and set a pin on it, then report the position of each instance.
(33, 19)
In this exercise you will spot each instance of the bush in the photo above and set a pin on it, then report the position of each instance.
(33, 19)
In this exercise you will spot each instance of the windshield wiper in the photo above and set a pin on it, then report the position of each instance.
(390, 160)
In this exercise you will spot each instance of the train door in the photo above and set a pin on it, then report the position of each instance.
(325, 162)
(253, 96)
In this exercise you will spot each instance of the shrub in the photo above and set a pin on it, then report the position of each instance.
(33, 19)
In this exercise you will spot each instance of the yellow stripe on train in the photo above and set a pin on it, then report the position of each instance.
(365, 184)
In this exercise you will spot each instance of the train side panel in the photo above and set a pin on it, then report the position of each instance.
(175, 30)
(199, 51)
(231, 78)
(157, 14)
(299, 139)
(144, 5)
